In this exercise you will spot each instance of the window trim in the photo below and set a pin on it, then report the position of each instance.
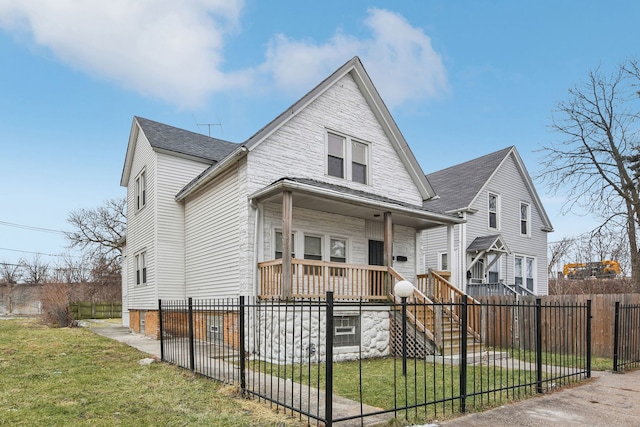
(141, 268)
(140, 190)
(353, 339)
(443, 264)
(348, 157)
(527, 220)
(497, 211)
(524, 278)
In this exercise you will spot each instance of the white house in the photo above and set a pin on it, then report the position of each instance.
(502, 245)
(327, 196)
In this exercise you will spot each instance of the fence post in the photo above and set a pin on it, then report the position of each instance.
(588, 338)
(616, 336)
(161, 330)
(192, 355)
(538, 345)
(243, 383)
(328, 400)
(463, 356)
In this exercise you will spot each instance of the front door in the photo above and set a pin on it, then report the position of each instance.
(376, 257)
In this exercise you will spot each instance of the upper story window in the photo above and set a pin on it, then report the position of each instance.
(141, 268)
(493, 211)
(141, 190)
(347, 158)
(524, 219)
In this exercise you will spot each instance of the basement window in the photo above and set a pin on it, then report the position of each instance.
(346, 331)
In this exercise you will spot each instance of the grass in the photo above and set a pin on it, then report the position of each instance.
(567, 361)
(383, 385)
(62, 377)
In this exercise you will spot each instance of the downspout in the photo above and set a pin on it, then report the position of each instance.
(256, 229)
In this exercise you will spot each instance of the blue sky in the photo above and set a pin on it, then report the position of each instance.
(461, 78)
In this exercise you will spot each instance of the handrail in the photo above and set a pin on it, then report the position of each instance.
(312, 279)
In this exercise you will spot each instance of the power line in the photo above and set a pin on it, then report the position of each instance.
(32, 228)
(36, 253)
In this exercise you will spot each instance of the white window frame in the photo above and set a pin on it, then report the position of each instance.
(497, 211)
(524, 278)
(527, 220)
(142, 273)
(140, 190)
(352, 333)
(443, 261)
(348, 157)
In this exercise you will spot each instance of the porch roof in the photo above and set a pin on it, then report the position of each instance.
(492, 243)
(337, 199)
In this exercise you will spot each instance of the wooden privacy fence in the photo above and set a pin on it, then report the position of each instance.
(518, 322)
(95, 310)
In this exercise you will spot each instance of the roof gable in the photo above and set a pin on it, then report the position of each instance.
(460, 185)
(382, 114)
(175, 141)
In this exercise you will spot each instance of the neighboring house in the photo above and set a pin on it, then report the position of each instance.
(502, 245)
(327, 196)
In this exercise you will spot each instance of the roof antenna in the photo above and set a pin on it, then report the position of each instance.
(208, 125)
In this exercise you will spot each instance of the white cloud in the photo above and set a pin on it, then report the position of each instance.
(399, 58)
(164, 48)
(173, 50)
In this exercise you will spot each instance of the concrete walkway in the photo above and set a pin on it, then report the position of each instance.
(607, 400)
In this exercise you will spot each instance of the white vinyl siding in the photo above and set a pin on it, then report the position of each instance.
(141, 228)
(212, 227)
(301, 148)
(174, 173)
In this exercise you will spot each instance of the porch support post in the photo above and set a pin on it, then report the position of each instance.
(388, 250)
(287, 217)
(450, 260)
(388, 239)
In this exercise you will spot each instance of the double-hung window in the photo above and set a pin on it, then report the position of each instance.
(347, 158)
(525, 271)
(493, 211)
(524, 219)
(141, 190)
(141, 268)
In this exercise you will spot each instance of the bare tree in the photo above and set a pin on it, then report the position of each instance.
(591, 166)
(71, 269)
(558, 252)
(36, 271)
(10, 275)
(99, 232)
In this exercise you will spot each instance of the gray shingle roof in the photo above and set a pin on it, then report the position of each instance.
(184, 142)
(458, 185)
(359, 193)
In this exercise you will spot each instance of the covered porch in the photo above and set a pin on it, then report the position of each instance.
(354, 274)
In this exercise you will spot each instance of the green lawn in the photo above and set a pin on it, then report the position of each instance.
(384, 386)
(64, 377)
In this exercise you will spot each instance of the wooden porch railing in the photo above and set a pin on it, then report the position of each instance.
(312, 279)
(435, 286)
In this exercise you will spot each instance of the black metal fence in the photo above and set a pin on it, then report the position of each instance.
(341, 363)
(626, 337)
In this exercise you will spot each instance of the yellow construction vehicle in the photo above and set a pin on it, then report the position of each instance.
(606, 269)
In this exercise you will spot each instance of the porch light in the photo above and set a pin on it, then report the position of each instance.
(404, 289)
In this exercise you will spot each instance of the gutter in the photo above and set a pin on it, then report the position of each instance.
(292, 185)
(210, 174)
